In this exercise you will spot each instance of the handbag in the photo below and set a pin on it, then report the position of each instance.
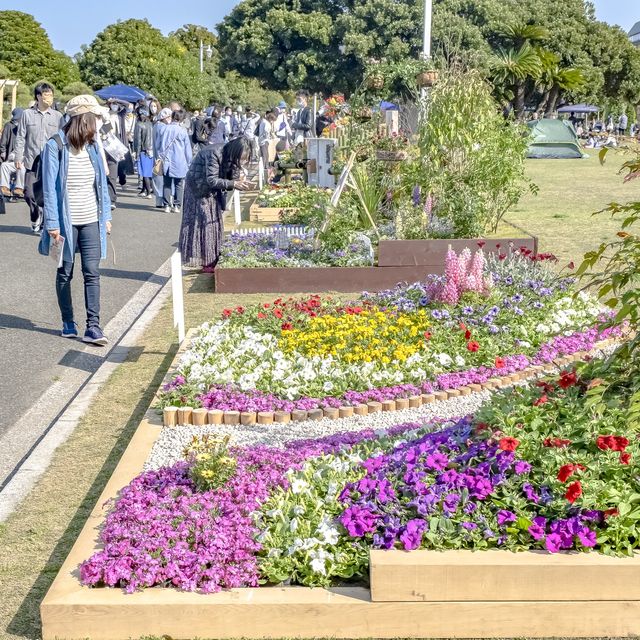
(158, 165)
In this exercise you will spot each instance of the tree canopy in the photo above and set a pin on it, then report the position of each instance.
(27, 53)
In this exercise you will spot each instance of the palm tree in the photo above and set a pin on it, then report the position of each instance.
(521, 33)
(512, 68)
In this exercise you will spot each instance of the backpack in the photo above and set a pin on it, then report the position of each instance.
(38, 188)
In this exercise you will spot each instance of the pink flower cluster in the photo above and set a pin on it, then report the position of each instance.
(462, 274)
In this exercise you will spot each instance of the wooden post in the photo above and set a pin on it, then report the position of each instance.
(393, 122)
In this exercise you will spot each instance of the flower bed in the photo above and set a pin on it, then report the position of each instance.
(499, 317)
(537, 468)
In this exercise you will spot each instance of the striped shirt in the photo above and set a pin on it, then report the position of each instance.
(81, 195)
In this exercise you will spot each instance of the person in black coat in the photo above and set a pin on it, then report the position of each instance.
(7, 156)
(215, 171)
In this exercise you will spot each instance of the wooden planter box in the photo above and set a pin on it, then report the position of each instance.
(398, 261)
(422, 594)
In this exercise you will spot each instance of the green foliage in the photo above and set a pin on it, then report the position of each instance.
(136, 53)
(27, 53)
(472, 159)
(75, 89)
(211, 464)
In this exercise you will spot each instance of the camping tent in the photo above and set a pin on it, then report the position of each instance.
(553, 139)
(122, 92)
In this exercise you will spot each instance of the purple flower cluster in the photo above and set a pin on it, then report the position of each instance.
(162, 532)
(448, 489)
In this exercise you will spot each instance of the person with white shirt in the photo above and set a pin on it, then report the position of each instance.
(282, 128)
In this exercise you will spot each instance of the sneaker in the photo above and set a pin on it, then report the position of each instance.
(167, 209)
(18, 193)
(5, 192)
(113, 206)
(175, 209)
(69, 330)
(94, 335)
(36, 227)
(149, 196)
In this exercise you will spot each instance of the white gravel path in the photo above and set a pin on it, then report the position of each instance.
(169, 446)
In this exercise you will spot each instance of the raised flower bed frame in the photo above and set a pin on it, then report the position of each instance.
(398, 261)
(420, 594)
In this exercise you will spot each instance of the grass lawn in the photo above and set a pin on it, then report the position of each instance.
(570, 191)
(36, 539)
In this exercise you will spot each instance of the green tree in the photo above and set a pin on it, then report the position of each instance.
(136, 53)
(27, 53)
(191, 35)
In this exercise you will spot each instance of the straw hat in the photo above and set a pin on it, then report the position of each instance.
(83, 104)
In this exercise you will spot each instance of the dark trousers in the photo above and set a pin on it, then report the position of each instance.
(147, 186)
(167, 189)
(86, 242)
(111, 179)
(34, 209)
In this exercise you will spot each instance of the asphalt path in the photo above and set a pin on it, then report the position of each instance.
(33, 355)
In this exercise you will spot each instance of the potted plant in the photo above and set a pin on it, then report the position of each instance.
(427, 78)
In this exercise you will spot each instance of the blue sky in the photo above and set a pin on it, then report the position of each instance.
(68, 28)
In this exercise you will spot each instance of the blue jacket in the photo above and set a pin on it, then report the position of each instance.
(174, 147)
(55, 166)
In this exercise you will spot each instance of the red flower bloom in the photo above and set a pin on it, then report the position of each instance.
(240, 310)
(427, 335)
(568, 379)
(610, 513)
(574, 491)
(266, 305)
(473, 346)
(287, 326)
(277, 313)
(481, 243)
(566, 471)
(559, 443)
(541, 400)
(621, 443)
(613, 443)
(625, 458)
(467, 334)
(482, 426)
(261, 315)
(227, 313)
(499, 363)
(463, 326)
(508, 444)
(571, 265)
(502, 256)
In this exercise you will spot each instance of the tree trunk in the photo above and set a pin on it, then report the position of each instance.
(519, 100)
(544, 101)
(553, 100)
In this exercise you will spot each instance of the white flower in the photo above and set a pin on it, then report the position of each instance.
(328, 386)
(298, 510)
(460, 361)
(444, 359)
(318, 566)
(293, 525)
(299, 486)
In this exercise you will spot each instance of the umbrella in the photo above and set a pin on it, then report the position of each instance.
(388, 106)
(579, 108)
(122, 92)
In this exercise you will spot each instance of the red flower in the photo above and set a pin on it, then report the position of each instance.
(610, 513)
(463, 326)
(566, 471)
(502, 256)
(427, 335)
(613, 443)
(568, 379)
(287, 326)
(481, 243)
(541, 400)
(266, 305)
(500, 363)
(508, 444)
(467, 334)
(625, 458)
(261, 315)
(621, 443)
(482, 426)
(559, 443)
(277, 313)
(227, 313)
(571, 265)
(574, 491)
(240, 310)
(473, 346)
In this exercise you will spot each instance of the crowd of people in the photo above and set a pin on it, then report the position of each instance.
(71, 165)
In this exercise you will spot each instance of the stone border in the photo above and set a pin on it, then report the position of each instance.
(176, 416)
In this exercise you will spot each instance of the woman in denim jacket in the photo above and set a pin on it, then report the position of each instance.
(77, 208)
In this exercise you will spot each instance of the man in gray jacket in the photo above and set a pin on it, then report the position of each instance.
(36, 126)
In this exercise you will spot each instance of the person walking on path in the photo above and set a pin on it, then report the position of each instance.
(36, 126)
(216, 171)
(303, 123)
(161, 121)
(8, 157)
(77, 209)
(143, 148)
(266, 134)
(176, 154)
(282, 128)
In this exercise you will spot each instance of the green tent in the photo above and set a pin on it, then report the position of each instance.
(553, 139)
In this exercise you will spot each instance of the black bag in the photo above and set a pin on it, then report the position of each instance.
(38, 190)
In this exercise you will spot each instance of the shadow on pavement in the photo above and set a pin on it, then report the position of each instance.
(143, 276)
(82, 360)
(26, 621)
(15, 322)
(12, 228)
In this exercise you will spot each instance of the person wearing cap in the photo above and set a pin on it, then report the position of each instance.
(37, 124)
(282, 127)
(77, 208)
(8, 170)
(163, 118)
